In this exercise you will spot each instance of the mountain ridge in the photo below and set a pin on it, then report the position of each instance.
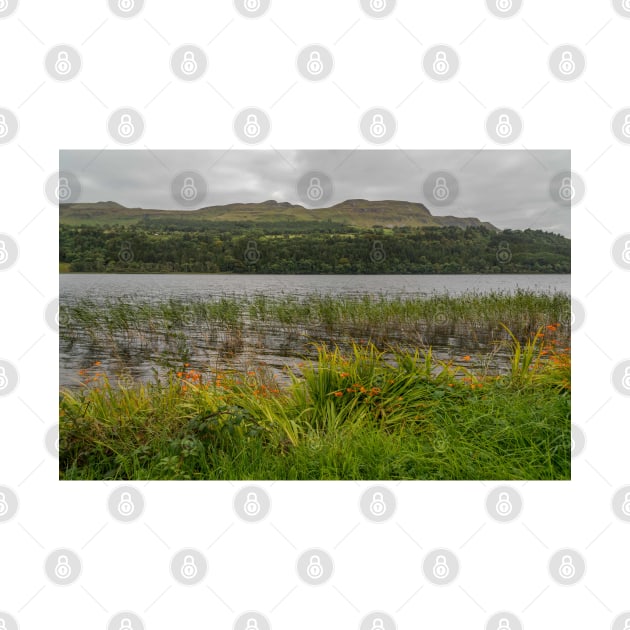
(361, 213)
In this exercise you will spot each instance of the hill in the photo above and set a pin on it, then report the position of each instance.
(358, 213)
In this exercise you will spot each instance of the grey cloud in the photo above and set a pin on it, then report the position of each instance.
(509, 188)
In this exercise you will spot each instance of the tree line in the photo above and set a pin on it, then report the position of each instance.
(291, 247)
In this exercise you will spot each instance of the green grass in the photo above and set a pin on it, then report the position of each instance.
(357, 415)
(522, 312)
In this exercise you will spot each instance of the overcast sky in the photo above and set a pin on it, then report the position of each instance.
(510, 189)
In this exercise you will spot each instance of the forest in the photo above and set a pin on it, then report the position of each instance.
(307, 247)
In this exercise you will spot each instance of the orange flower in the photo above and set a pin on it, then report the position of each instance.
(467, 357)
(338, 394)
(344, 374)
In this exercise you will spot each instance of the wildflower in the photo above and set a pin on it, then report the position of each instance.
(344, 374)
(467, 357)
(338, 394)
(97, 363)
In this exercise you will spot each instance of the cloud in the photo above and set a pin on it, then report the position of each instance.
(509, 188)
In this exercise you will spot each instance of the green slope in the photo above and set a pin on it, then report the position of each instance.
(353, 212)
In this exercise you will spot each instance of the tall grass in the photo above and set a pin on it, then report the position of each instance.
(357, 414)
(377, 317)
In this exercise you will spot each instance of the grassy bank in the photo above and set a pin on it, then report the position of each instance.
(352, 416)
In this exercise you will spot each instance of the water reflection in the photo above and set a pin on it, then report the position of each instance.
(143, 353)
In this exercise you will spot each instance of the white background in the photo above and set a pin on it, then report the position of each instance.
(377, 63)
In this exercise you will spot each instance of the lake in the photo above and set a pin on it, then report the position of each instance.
(135, 350)
(186, 286)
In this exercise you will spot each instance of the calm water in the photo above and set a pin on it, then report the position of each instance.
(163, 286)
(271, 346)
